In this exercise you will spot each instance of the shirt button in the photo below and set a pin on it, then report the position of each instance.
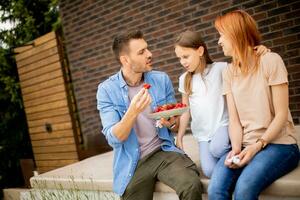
(130, 175)
(136, 149)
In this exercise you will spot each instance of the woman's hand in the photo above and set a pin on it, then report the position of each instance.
(245, 156)
(229, 156)
(261, 50)
(248, 153)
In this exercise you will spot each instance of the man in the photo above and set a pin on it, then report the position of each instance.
(143, 153)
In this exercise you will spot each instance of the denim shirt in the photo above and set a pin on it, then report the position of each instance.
(112, 103)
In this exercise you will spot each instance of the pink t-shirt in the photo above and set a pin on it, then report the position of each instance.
(253, 98)
(145, 127)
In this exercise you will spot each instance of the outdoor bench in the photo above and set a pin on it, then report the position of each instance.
(95, 175)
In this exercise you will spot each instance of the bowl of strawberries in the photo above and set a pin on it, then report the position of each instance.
(168, 110)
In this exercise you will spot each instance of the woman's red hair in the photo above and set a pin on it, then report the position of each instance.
(241, 29)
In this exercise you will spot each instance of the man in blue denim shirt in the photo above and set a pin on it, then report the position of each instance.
(143, 153)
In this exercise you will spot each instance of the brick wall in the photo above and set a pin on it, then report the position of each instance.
(89, 26)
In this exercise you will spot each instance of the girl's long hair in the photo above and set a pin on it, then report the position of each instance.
(191, 39)
(241, 30)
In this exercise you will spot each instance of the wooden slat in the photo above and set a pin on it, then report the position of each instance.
(42, 78)
(37, 57)
(36, 42)
(54, 149)
(52, 120)
(43, 93)
(54, 163)
(56, 156)
(43, 85)
(53, 142)
(36, 50)
(46, 99)
(52, 135)
(55, 127)
(44, 62)
(52, 113)
(45, 169)
(47, 106)
(40, 71)
(23, 48)
(44, 38)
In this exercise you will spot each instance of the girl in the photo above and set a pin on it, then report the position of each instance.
(201, 88)
(261, 129)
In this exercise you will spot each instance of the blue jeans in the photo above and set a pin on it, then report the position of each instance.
(248, 182)
(211, 151)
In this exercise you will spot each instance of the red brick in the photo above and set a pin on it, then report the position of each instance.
(90, 25)
(285, 40)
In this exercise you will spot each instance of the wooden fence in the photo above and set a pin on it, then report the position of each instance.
(49, 102)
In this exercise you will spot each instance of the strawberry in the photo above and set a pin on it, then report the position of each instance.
(169, 106)
(147, 86)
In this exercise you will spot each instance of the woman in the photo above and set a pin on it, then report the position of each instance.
(261, 129)
(201, 89)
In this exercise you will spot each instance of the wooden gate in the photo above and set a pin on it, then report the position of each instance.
(49, 102)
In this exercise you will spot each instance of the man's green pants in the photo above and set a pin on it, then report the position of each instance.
(174, 169)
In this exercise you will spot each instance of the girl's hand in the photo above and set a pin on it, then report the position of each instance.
(261, 50)
(171, 123)
(179, 143)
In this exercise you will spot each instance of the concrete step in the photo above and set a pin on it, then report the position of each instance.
(13, 193)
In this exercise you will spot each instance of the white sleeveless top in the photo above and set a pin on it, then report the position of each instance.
(207, 104)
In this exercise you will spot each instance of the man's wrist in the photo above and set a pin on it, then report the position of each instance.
(132, 113)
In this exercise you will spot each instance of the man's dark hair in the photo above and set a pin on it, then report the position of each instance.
(121, 41)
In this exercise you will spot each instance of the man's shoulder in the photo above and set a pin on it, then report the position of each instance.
(157, 73)
(157, 76)
(113, 79)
